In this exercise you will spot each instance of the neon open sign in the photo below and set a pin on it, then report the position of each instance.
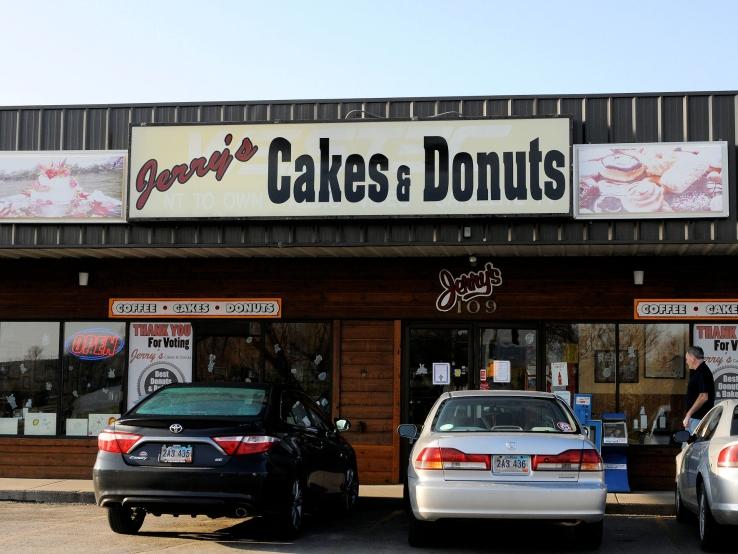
(94, 344)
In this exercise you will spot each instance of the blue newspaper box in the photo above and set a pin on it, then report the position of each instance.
(614, 451)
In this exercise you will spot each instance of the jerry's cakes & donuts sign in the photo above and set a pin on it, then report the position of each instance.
(351, 168)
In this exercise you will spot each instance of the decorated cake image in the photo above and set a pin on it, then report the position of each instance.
(657, 180)
(83, 187)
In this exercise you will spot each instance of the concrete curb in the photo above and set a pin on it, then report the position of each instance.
(52, 497)
(80, 497)
(640, 509)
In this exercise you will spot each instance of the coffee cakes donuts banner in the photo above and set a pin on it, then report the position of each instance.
(653, 180)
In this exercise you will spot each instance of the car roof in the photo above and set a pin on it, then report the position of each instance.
(499, 393)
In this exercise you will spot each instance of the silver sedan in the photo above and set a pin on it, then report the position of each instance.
(707, 473)
(503, 455)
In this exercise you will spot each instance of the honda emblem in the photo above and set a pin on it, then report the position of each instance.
(511, 445)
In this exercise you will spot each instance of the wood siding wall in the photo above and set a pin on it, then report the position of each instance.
(369, 396)
(47, 458)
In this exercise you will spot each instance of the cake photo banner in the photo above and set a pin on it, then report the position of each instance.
(366, 168)
(652, 180)
(62, 186)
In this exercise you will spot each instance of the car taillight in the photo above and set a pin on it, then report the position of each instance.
(570, 460)
(450, 458)
(728, 456)
(116, 441)
(250, 444)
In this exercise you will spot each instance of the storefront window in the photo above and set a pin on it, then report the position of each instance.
(297, 354)
(300, 354)
(93, 365)
(231, 353)
(652, 380)
(597, 367)
(29, 380)
(646, 379)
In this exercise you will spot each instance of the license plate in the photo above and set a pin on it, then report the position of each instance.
(511, 465)
(176, 453)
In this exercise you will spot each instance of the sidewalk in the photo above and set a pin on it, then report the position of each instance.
(80, 491)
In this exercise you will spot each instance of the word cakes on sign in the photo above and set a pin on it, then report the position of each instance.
(195, 308)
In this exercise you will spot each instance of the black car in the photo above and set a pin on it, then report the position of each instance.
(223, 450)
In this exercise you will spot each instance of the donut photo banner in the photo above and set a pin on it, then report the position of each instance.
(651, 180)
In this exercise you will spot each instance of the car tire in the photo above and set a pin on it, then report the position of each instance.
(350, 490)
(287, 523)
(682, 514)
(589, 535)
(125, 520)
(709, 529)
(418, 532)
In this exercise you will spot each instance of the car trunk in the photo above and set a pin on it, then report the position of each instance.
(511, 455)
(192, 447)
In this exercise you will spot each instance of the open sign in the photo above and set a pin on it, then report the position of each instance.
(94, 344)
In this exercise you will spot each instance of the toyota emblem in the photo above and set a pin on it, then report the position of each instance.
(175, 428)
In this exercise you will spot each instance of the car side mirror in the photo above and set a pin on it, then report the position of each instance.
(407, 431)
(343, 425)
(585, 430)
(682, 436)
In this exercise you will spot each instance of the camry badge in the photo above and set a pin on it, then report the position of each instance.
(510, 445)
(175, 428)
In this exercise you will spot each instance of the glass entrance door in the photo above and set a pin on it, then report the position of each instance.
(437, 361)
(509, 357)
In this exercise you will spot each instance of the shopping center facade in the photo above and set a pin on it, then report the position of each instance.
(373, 252)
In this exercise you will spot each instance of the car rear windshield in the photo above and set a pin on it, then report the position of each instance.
(205, 401)
(503, 414)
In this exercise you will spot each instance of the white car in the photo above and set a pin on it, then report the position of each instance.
(503, 455)
(707, 473)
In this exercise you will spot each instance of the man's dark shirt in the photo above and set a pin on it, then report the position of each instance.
(700, 380)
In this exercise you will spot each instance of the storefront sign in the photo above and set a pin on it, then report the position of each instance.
(467, 286)
(726, 309)
(158, 354)
(351, 168)
(653, 180)
(720, 343)
(63, 187)
(94, 344)
(147, 308)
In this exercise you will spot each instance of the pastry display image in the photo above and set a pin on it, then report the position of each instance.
(671, 180)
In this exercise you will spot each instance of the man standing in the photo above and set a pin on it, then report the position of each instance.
(700, 390)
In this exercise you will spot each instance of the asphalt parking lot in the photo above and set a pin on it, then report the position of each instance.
(376, 526)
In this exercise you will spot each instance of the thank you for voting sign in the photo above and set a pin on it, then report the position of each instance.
(158, 354)
(720, 343)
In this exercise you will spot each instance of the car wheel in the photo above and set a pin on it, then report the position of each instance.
(125, 521)
(288, 522)
(350, 492)
(682, 514)
(589, 535)
(708, 527)
(418, 532)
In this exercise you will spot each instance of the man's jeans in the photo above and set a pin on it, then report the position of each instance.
(693, 423)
